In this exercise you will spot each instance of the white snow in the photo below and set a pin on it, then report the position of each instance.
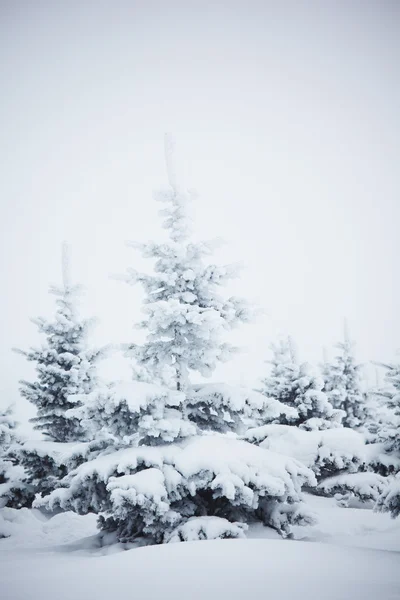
(58, 558)
(355, 527)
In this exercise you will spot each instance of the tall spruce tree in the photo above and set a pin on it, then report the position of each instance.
(185, 313)
(343, 384)
(65, 365)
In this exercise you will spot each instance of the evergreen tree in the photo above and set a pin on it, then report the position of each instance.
(312, 404)
(12, 477)
(380, 413)
(7, 437)
(392, 397)
(279, 384)
(186, 314)
(390, 499)
(343, 384)
(64, 365)
(297, 386)
(8, 427)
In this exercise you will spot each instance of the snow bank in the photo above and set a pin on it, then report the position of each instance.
(357, 527)
(29, 528)
(231, 569)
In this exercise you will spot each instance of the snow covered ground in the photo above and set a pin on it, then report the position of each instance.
(350, 554)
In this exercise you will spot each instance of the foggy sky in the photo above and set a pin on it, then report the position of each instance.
(286, 117)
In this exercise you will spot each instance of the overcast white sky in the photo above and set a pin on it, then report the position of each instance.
(286, 116)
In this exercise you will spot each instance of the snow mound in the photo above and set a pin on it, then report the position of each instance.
(356, 527)
(27, 528)
(217, 569)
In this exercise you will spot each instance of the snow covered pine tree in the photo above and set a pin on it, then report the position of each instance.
(315, 435)
(390, 498)
(380, 413)
(12, 487)
(64, 365)
(343, 385)
(170, 480)
(297, 386)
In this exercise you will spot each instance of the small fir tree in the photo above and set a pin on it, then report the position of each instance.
(13, 490)
(380, 413)
(279, 384)
(186, 314)
(343, 384)
(390, 499)
(65, 366)
(297, 386)
(311, 402)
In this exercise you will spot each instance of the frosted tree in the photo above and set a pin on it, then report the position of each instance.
(325, 367)
(343, 384)
(390, 499)
(392, 398)
(65, 365)
(279, 384)
(311, 402)
(12, 477)
(8, 427)
(297, 386)
(380, 413)
(161, 478)
(7, 437)
(186, 314)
